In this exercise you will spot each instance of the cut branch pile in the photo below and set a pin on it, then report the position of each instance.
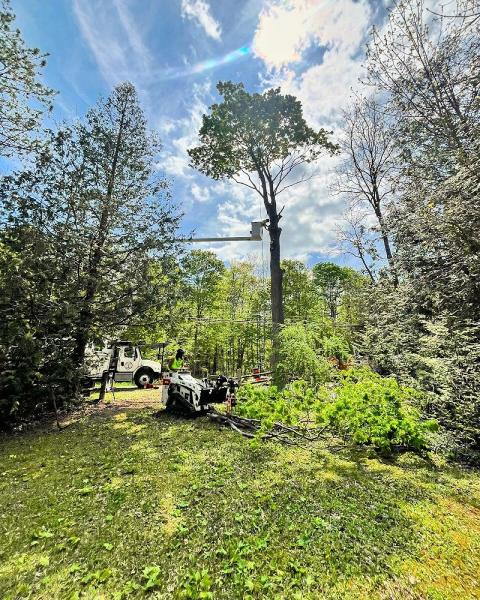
(250, 428)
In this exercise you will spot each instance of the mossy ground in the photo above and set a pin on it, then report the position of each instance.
(125, 504)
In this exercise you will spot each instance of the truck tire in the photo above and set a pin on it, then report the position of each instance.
(87, 382)
(143, 376)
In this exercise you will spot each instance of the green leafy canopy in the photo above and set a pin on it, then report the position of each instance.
(248, 131)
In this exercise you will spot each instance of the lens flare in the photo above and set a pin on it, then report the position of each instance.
(206, 65)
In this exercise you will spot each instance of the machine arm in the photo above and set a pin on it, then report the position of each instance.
(255, 235)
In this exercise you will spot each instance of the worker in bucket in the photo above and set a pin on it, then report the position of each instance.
(175, 364)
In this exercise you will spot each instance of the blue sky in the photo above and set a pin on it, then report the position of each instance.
(175, 51)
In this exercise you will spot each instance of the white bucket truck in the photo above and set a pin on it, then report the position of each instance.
(130, 365)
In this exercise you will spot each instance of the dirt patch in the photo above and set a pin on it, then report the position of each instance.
(122, 399)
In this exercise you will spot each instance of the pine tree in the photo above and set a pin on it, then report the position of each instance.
(90, 221)
(23, 99)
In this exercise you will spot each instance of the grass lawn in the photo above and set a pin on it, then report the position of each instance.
(123, 504)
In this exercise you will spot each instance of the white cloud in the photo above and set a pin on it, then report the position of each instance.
(324, 89)
(285, 30)
(284, 33)
(133, 35)
(199, 11)
(338, 28)
(183, 134)
(200, 194)
(113, 39)
(166, 126)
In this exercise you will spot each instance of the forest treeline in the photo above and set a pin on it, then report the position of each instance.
(220, 314)
(89, 231)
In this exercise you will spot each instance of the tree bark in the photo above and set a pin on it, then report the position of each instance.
(276, 273)
(276, 285)
(240, 354)
(386, 242)
(86, 314)
(103, 386)
(365, 264)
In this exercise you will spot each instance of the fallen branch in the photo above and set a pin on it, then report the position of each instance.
(285, 434)
(244, 433)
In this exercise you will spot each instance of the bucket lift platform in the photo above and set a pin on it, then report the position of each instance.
(255, 235)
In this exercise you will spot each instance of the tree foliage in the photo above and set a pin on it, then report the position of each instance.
(261, 134)
(334, 282)
(23, 98)
(370, 409)
(300, 357)
(261, 141)
(363, 408)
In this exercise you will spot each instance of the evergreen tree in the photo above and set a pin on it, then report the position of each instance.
(96, 214)
(23, 99)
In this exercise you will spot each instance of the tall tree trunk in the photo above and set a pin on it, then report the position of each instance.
(195, 342)
(240, 355)
(384, 234)
(276, 273)
(388, 250)
(86, 314)
(276, 285)
(385, 240)
(215, 360)
(365, 264)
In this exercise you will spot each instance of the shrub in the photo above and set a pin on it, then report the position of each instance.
(298, 358)
(30, 368)
(370, 409)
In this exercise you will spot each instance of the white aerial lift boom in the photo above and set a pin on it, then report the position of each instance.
(255, 235)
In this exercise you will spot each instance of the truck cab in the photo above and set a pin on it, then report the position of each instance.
(130, 365)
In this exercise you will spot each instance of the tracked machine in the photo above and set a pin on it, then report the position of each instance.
(185, 395)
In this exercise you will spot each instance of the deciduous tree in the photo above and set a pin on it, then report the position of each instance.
(366, 176)
(263, 142)
(332, 281)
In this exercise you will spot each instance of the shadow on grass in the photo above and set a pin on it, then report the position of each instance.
(188, 496)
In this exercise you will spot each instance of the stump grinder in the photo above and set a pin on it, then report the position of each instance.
(185, 395)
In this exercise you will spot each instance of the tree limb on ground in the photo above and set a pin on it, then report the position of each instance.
(285, 434)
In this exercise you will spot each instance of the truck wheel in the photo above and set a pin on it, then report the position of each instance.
(87, 382)
(143, 376)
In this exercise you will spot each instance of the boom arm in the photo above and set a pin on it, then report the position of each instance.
(255, 235)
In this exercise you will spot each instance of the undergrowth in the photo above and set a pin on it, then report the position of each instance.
(361, 406)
